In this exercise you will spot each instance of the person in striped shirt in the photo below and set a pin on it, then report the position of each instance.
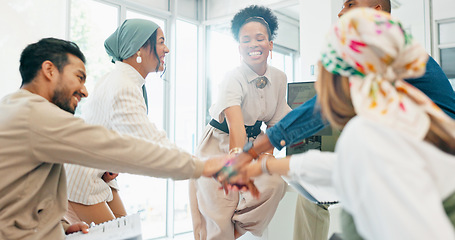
(137, 48)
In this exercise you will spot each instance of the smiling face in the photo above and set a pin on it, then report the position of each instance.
(70, 86)
(149, 57)
(254, 46)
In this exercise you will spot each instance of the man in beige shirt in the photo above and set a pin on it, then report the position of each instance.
(37, 137)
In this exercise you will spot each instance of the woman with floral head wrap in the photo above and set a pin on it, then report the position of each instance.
(395, 156)
(137, 48)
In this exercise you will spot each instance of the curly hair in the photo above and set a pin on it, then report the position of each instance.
(245, 15)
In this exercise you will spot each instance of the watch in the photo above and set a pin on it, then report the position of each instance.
(248, 148)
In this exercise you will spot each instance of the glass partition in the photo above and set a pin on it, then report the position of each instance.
(186, 90)
(90, 24)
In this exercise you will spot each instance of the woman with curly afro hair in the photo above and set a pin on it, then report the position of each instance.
(250, 95)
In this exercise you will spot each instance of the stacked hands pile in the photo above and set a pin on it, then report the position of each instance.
(234, 176)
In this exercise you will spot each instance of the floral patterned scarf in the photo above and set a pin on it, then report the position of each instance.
(372, 49)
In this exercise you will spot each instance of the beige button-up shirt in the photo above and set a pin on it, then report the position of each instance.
(239, 89)
(37, 137)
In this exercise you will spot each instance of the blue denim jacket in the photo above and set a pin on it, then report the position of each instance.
(306, 120)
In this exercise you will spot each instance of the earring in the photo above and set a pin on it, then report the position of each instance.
(138, 59)
(270, 54)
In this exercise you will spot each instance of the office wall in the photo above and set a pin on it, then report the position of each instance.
(411, 13)
(156, 4)
(288, 30)
(221, 9)
(443, 9)
(24, 22)
(316, 18)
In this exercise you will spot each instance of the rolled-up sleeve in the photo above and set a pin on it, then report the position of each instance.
(298, 124)
(230, 94)
(59, 137)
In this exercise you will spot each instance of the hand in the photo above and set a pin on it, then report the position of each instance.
(242, 160)
(255, 168)
(274, 166)
(79, 226)
(214, 165)
(242, 179)
(227, 170)
(238, 161)
(230, 180)
(108, 176)
(247, 186)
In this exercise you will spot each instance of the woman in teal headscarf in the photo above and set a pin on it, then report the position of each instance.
(137, 48)
(139, 43)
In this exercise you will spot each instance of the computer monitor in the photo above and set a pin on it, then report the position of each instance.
(299, 93)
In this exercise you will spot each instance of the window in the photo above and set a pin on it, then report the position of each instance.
(222, 56)
(90, 24)
(174, 102)
(154, 83)
(186, 90)
(140, 193)
(285, 60)
(446, 33)
(148, 196)
(446, 46)
(448, 61)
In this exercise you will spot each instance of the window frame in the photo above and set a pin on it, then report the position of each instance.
(438, 46)
(170, 18)
(166, 16)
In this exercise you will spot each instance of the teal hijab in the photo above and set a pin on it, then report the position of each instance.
(129, 38)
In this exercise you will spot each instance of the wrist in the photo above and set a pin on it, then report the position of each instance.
(248, 148)
(235, 150)
(267, 154)
(264, 161)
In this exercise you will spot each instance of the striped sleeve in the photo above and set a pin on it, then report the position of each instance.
(129, 116)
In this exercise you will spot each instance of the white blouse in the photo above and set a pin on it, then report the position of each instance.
(239, 89)
(392, 184)
(116, 103)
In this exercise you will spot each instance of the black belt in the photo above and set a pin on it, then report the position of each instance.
(251, 131)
